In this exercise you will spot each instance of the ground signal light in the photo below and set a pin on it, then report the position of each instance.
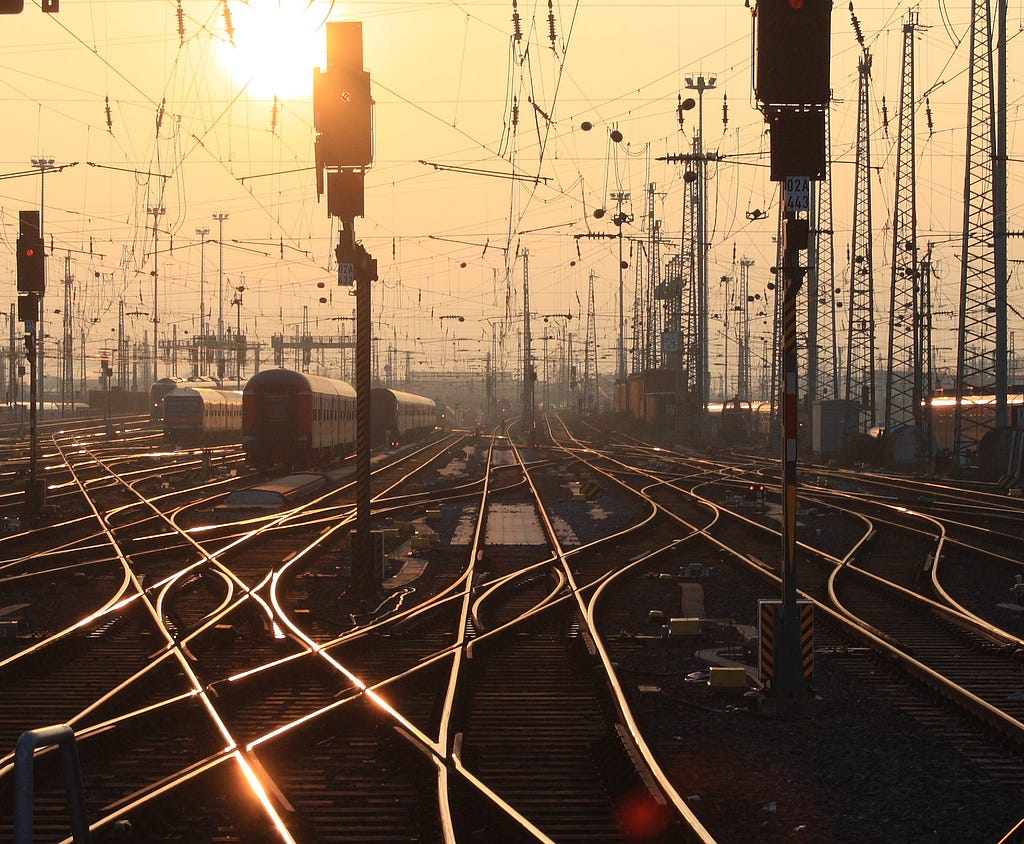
(793, 52)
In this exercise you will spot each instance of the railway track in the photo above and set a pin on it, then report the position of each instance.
(498, 692)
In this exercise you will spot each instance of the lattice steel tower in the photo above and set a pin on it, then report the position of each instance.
(981, 351)
(743, 333)
(692, 358)
(591, 401)
(821, 284)
(904, 386)
(860, 342)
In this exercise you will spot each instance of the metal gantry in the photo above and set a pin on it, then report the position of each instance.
(904, 377)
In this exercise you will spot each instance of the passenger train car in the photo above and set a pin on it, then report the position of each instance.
(163, 386)
(296, 420)
(197, 415)
(397, 417)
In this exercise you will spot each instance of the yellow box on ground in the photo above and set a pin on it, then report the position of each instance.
(727, 678)
(683, 626)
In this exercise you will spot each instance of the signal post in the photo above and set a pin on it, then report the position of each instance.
(793, 91)
(31, 267)
(343, 118)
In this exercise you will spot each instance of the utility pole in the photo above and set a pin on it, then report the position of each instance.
(590, 375)
(695, 222)
(529, 374)
(982, 330)
(743, 372)
(701, 85)
(726, 281)
(67, 379)
(156, 211)
(201, 351)
(220, 218)
(236, 300)
(860, 343)
(619, 219)
(903, 382)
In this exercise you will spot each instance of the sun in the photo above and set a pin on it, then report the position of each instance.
(277, 43)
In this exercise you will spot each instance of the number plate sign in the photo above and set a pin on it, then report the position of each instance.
(346, 274)
(798, 194)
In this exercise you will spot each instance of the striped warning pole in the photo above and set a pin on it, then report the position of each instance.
(788, 661)
(364, 270)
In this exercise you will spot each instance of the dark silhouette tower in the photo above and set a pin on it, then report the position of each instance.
(821, 285)
(904, 385)
(981, 350)
(860, 338)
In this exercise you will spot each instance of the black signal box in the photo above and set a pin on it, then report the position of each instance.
(31, 261)
(793, 52)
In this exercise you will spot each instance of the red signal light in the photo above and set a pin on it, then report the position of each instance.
(796, 4)
(31, 269)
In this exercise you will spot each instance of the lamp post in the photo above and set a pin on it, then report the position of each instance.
(202, 232)
(156, 211)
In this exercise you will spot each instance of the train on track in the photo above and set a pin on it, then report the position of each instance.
(299, 420)
(202, 415)
(163, 386)
(397, 417)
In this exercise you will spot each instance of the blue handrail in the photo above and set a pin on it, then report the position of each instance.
(24, 758)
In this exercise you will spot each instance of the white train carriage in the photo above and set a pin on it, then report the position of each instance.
(194, 415)
(397, 418)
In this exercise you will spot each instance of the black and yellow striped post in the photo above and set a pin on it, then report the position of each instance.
(769, 617)
(789, 674)
(363, 269)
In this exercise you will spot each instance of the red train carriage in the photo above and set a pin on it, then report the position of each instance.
(295, 419)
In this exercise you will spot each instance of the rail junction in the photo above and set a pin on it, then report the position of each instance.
(562, 645)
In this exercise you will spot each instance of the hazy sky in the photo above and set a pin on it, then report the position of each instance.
(182, 117)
